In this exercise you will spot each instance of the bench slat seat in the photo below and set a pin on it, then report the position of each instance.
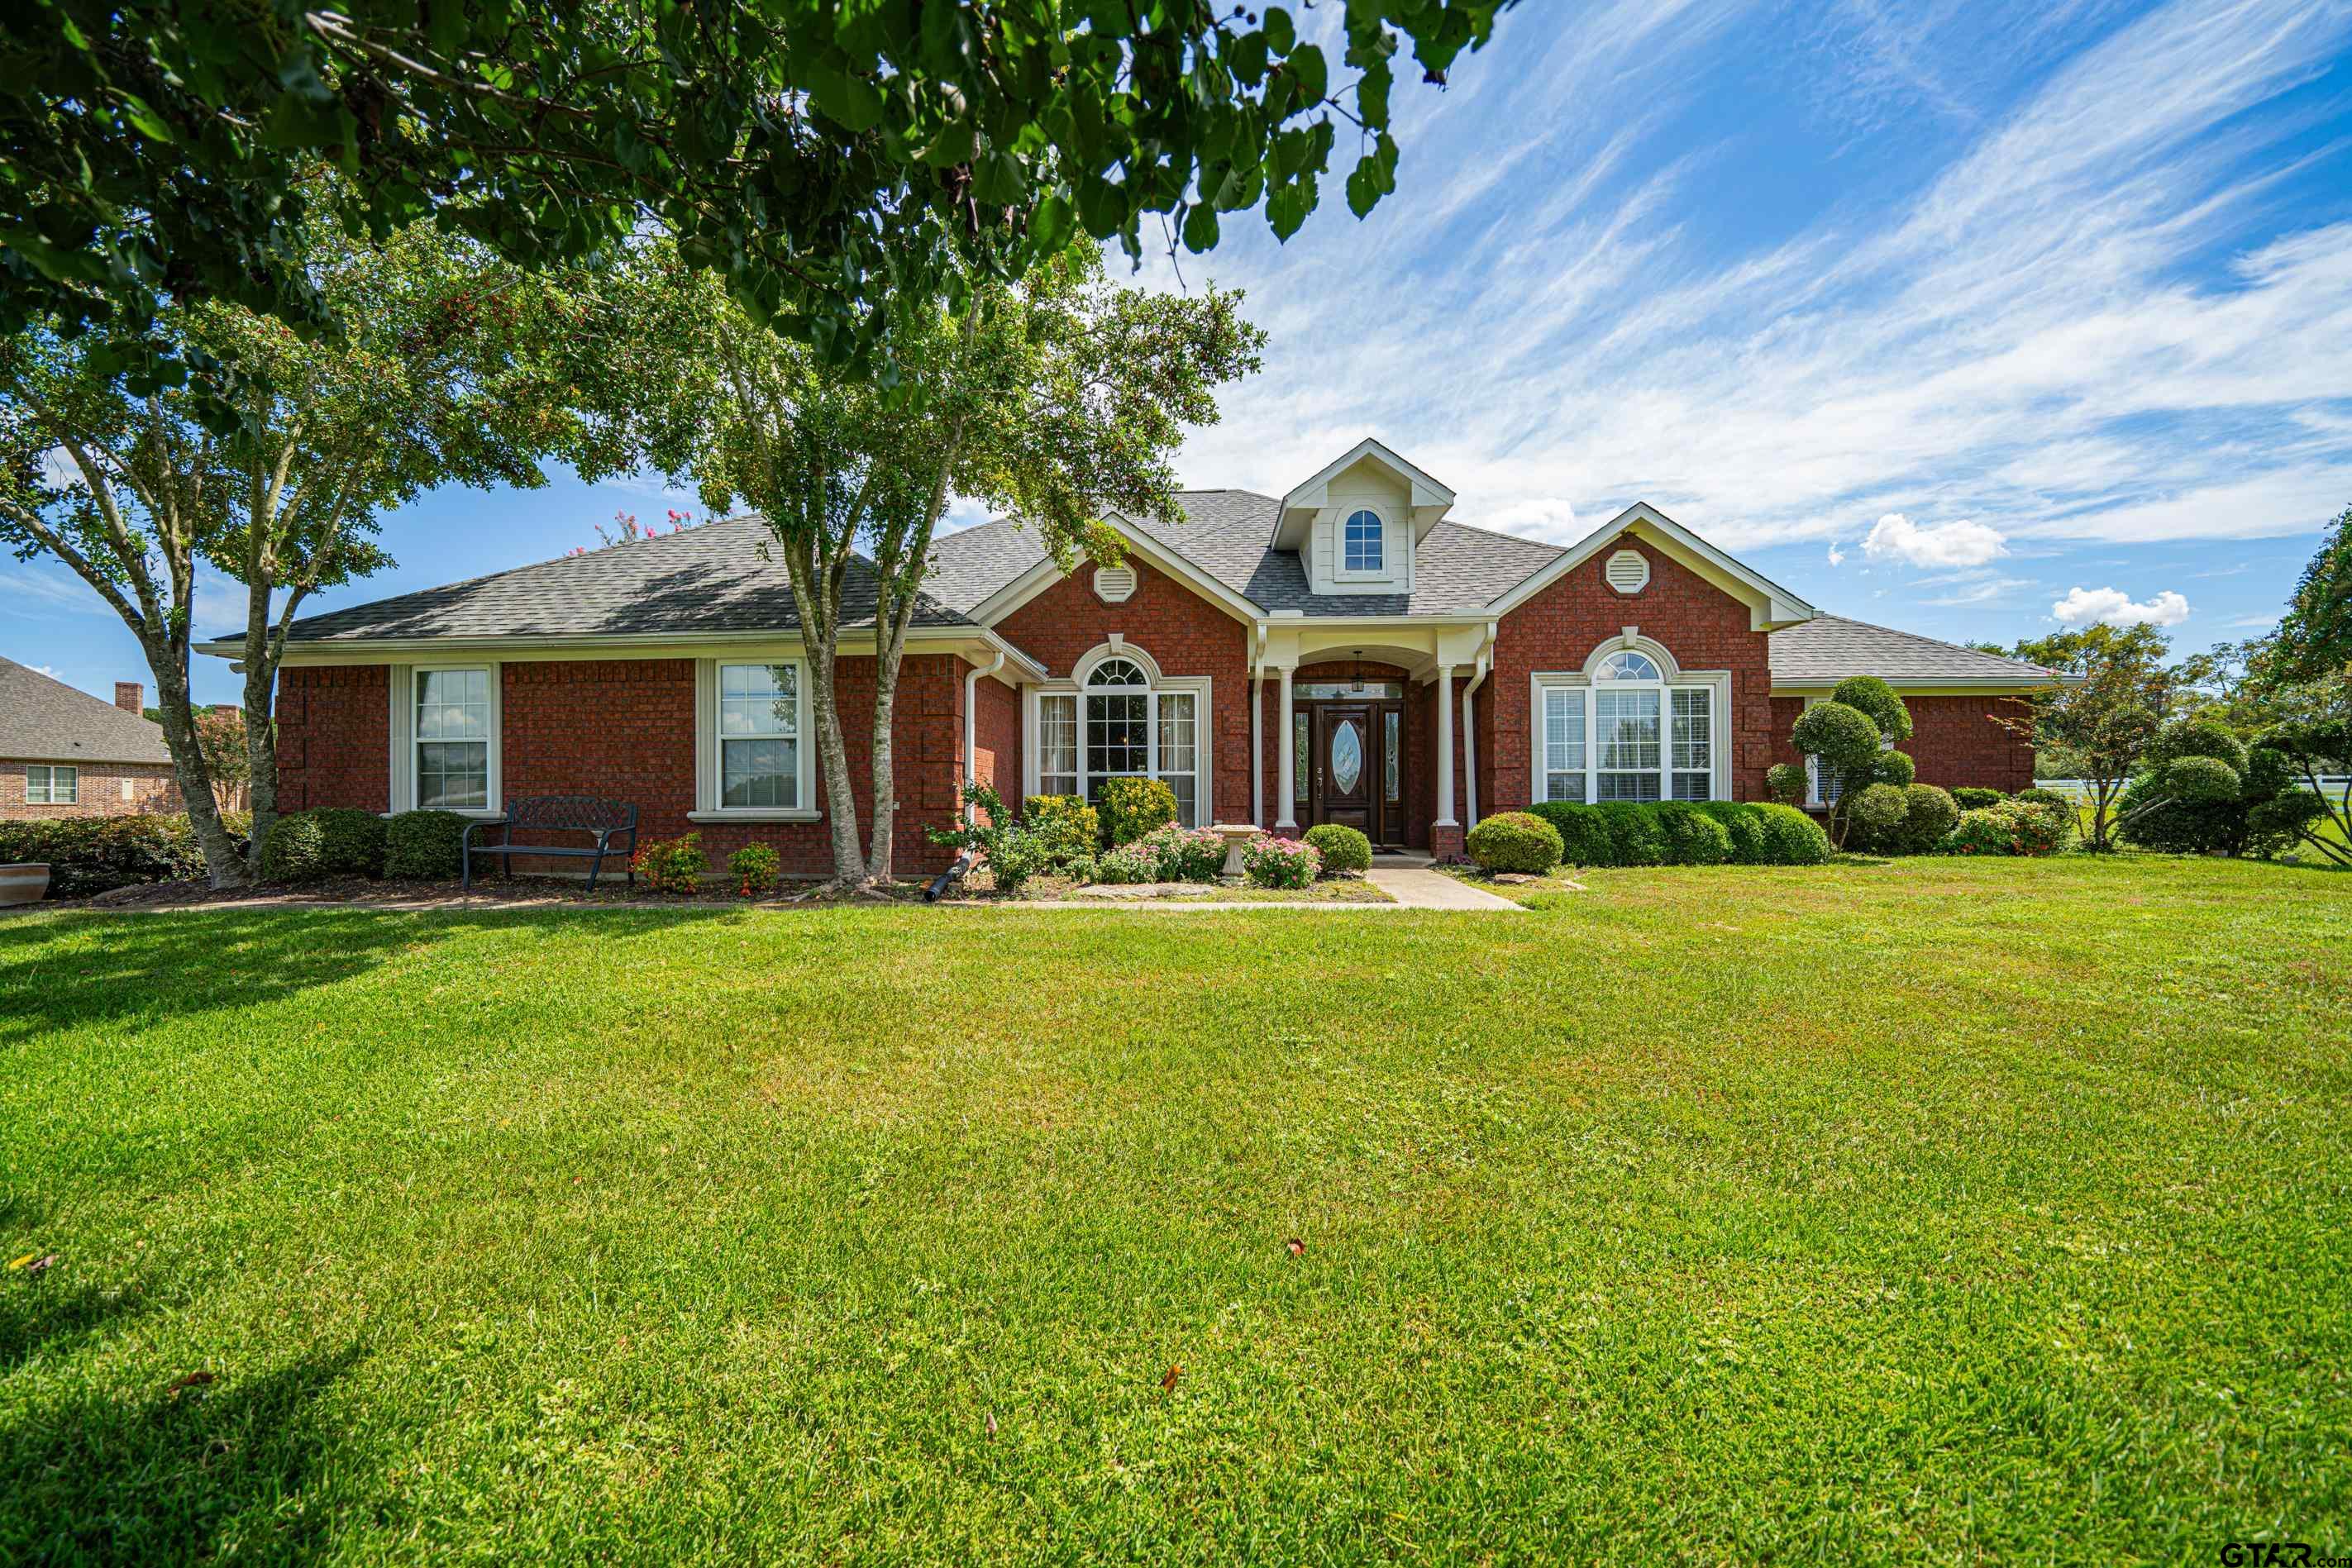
(612, 824)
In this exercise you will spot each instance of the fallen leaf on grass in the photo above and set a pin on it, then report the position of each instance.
(20, 1262)
(991, 1422)
(34, 1263)
(1298, 1247)
(193, 1380)
(1173, 1373)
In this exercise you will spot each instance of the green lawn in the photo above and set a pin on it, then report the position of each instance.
(1941, 1211)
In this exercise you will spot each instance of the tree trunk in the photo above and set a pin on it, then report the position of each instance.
(223, 865)
(833, 756)
(879, 869)
(260, 751)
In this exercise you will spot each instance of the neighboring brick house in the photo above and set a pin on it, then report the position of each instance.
(64, 753)
(1343, 652)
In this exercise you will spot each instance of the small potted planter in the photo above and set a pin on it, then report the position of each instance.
(27, 882)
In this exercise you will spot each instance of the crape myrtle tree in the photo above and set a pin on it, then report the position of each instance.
(1055, 400)
(834, 160)
(453, 369)
(2104, 717)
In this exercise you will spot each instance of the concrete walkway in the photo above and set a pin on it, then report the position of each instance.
(1418, 887)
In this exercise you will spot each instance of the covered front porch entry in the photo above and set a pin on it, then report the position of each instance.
(1360, 736)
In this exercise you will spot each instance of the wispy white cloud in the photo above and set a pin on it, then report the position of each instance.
(34, 590)
(1987, 591)
(2088, 606)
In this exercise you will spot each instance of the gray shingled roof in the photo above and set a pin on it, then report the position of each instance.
(42, 720)
(1225, 533)
(707, 579)
(1828, 648)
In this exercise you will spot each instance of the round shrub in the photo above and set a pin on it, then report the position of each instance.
(1128, 865)
(1974, 797)
(1583, 832)
(1791, 838)
(2188, 807)
(1343, 849)
(295, 849)
(1788, 781)
(1743, 830)
(2011, 828)
(1876, 700)
(2196, 737)
(1270, 861)
(422, 846)
(1895, 767)
(1066, 827)
(1693, 838)
(1131, 808)
(1877, 811)
(673, 865)
(350, 843)
(1846, 740)
(754, 868)
(1634, 836)
(1514, 841)
(2045, 797)
(1929, 814)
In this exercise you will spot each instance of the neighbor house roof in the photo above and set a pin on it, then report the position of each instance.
(1828, 648)
(711, 578)
(42, 720)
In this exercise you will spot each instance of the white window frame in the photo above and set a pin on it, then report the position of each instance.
(1340, 570)
(1157, 685)
(48, 795)
(1717, 683)
(404, 741)
(708, 754)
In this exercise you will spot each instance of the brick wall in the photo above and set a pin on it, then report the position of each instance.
(334, 737)
(996, 738)
(1185, 635)
(1954, 741)
(1704, 628)
(624, 729)
(152, 788)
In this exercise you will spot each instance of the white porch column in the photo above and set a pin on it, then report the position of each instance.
(1445, 747)
(1287, 748)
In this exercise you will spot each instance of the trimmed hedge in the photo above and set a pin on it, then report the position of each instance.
(422, 846)
(1514, 841)
(295, 849)
(1341, 846)
(96, 854)
(350, 841)
(1976, 798)
(1685, 833)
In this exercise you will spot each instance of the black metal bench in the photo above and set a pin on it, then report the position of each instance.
(608, 820)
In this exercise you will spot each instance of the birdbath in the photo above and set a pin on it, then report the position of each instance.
(1235, 835)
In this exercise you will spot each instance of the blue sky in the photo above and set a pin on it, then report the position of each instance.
(1971, 317)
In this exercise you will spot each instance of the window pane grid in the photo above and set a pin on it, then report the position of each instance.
(52, 785)
(1361, 544)
(1128, 732)
(452, 740)
(759, 738)
(1602, 744)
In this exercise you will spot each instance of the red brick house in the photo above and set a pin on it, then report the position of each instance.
(1344, 652)
(65, 753)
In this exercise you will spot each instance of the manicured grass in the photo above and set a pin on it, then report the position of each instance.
(1939, 1210)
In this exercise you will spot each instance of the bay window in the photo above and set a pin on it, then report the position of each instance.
(1629, 728)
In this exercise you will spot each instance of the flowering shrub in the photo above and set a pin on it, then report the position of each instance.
(1127, 865)
(1132, 808)
(1185, 854)
(754, 868)
(1066, 828)
(1270, 861)
(674, 866)
(2011, 828)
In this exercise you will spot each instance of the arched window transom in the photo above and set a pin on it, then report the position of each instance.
(1626, 733)
(1121, 721)
(1627, 666)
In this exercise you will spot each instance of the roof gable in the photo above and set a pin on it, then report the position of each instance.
(45, 720)
(1769, 604)
(1426, 500)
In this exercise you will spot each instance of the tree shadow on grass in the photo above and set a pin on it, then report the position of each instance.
(163, 967)
(182, 1474)
(42, 1315)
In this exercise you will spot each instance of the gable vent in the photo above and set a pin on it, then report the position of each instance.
(1628, 571)
(1114, 584)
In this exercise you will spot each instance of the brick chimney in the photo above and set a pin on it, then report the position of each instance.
(226, 710)
(130, 696)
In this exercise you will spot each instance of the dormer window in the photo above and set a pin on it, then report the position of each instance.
(1361, 543)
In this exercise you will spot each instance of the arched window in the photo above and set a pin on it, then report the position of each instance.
(1629, 730)
(1362, 547)
(1121, 720)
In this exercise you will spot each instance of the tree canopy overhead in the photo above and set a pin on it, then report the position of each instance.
(832, 159)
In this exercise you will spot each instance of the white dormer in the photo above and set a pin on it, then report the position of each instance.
(1355, 525)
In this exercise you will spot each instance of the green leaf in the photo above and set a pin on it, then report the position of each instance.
(1246, 57)
(1281, 33)
(1372, 95)
(1051, 224)
(1200, 228)
(998, 180)
(1313, 77)
(849, 100)
(1363, 188)
(1287, 208)
(145, 120)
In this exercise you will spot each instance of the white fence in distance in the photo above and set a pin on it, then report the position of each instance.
(2337, 784)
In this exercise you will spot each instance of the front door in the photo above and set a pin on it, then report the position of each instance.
(1345, 777)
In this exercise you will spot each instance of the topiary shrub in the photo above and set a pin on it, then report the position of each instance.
(1743, 829)
(1928, 815)
(1789, 782)
(2198, 792)
(1895, 767)
(1693, 838)
(1131, 808)
(1634, 836)
(2046, 797)
(1791, 838)
(294, 850)
(422, 846)
(1584, 838)
(1514, 841)
(1065, 826)
(1876, 813)
(1184, 854)
(1270, 861)
(1974, 797)
(1344, 850)
(350, 841)
(1876, 700)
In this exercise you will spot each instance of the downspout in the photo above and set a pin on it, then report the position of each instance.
(1257, 741)
(1470, 730)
